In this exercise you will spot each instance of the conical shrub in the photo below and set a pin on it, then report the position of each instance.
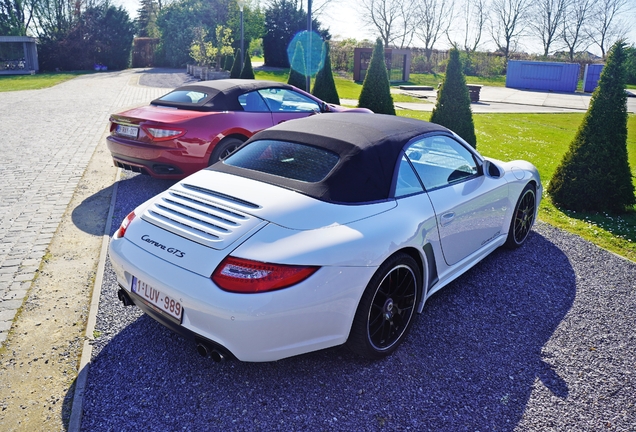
(324, 84)
(248, 71)
(376, 90)
(297, 75)
(452, 109)
(237, 66)
(594, 174)
(229, 62)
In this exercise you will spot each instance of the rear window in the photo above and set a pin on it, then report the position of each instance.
(285, 159)
(184, 96)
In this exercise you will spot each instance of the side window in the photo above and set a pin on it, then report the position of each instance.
(407, 182)
(252, 102)
(441, 161)
(284, 100)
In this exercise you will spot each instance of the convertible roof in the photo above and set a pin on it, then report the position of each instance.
(368, 146)
(222, 94)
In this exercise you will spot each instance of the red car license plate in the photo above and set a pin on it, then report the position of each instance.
(152, 295)
(129, 131)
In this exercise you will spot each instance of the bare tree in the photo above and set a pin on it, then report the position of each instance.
(606, 25)
(391, 18)
(473, 18)
(546, 20)
(435, 17)
(576, 16)
(509, 19)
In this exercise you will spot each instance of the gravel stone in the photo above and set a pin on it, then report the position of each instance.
(538, 338)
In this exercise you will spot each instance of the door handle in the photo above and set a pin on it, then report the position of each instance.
(447, 218)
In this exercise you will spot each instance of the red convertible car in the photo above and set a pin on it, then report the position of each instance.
(196, 125)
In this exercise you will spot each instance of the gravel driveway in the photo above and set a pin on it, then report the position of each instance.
(540, 338)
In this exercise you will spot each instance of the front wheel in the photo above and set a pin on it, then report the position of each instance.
(387, 308)
(522, 218)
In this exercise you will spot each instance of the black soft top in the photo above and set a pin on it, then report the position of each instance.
(222, 94)
(368, 146)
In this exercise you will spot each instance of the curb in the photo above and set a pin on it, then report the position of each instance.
(75, 421)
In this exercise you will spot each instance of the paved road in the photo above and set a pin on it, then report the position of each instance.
(48, 138)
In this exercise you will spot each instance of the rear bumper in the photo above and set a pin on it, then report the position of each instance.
(312, 315)
(159, 162)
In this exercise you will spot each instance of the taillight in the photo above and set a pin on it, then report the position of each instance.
(162, 134)
(124, 225)
(247, 276)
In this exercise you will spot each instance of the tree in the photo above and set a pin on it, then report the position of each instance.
(324, 85)
(435, 18)
(248, 71)
(376, 90)
(546, 20)
(508, 23)
(606, 26)
(474, 19)
(453, 102)
(178, 20)
(16, 16)
(297, 76)
(102, 35)
(594, 174)
(283, 20)
(237, 67)
(394, 20)
(575, 16)
(146, 21)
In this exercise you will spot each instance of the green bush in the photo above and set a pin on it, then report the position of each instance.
(453, 102)
(324, 84)
(376, 90)
(594, 174)
(248, 71)
(229, 62)
(237, 67)
(297, 75)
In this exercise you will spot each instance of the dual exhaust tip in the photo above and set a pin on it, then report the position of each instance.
(204, 349)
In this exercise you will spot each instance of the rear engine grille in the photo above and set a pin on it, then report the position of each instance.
(201, 215)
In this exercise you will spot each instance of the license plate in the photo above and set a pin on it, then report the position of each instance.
(129, 131)
(158, 299)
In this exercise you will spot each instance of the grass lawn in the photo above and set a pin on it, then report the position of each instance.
(543, 139)
(34, 82)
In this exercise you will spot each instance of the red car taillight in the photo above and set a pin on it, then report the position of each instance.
(247, 276)
(124, 225)
(157, 133)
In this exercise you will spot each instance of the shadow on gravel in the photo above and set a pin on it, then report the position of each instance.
(470, 362)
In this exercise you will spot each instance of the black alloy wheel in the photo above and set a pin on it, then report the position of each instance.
(387, 308)
(522, 218)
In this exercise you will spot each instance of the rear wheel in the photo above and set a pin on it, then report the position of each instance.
(387, 308)
(223, 149)
(522, 218)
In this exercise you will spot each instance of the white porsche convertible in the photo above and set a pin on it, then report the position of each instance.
(319, 232)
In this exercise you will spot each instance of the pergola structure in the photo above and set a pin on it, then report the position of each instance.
(18, 55)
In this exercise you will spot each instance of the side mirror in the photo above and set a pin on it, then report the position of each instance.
(492, 170)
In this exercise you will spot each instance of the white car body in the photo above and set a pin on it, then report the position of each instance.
(269, 223)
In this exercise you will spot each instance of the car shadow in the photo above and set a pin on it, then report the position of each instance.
(470, 362)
